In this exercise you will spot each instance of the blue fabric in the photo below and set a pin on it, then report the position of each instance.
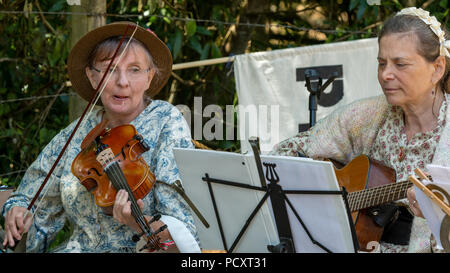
(162, 126)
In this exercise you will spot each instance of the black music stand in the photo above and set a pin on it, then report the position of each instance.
(278, 200)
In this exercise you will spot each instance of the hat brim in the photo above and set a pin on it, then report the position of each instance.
(78, 57)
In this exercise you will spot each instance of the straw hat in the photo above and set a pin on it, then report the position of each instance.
(78, 57)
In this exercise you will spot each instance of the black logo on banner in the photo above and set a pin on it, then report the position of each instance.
(328, 98)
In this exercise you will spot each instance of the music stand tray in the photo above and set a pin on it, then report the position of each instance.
(296, 207)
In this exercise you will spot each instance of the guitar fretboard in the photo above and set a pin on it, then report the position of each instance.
(379, 195)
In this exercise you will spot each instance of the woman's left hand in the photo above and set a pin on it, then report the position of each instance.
(413, 204)
(122, 210)
(122, 214)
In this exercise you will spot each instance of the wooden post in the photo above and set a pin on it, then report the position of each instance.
(80, 25)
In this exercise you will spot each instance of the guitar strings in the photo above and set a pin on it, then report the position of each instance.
(369, 197)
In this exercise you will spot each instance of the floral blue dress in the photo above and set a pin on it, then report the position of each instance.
(163, 127)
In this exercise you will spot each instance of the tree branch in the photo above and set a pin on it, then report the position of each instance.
(366, 28)
(43, 18)
(6, 59)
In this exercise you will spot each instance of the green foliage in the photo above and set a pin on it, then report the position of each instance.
(32, 65)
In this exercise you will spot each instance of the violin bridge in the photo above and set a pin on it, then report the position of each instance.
(105, 157)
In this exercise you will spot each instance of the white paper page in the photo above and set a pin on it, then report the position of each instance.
(234, 204)
(432, 212)
(440, 174)
(325, 216)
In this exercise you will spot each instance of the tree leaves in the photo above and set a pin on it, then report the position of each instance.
(33, 61)
(176, 41)
(190, 29)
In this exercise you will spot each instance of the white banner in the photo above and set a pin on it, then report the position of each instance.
(273, 98)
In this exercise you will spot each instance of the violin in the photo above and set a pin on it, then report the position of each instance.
(110, 160)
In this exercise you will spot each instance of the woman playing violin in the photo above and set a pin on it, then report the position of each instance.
(406, 128)
(135, 78)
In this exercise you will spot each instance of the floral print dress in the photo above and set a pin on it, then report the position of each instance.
(163, 127)
(394, 149)
(375, 128)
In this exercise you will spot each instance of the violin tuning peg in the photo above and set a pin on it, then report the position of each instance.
(161, 229)
(135, 238)
(155, 218)
(142, 142)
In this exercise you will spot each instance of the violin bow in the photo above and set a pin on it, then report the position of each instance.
(93, 101)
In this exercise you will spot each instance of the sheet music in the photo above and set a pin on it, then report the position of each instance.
(234, 204)
(440, 174)
(432, 212)
(325, 216)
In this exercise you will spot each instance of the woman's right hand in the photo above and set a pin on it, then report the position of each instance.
(17, 222)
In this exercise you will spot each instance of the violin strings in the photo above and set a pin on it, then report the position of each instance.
(124, 185)
(38, 205)
(121, 183)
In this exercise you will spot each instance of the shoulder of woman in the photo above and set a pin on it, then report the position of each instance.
(373, 109)
(358, 118)
(163, 106)
(61, 137)
(164, 116)
(362, 109)
(376, 103)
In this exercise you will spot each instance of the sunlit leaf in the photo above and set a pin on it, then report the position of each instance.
(191, 27)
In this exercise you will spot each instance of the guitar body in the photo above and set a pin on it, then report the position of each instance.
(360, 174)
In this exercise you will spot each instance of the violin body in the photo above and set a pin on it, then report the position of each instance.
(110, 160)
(127, 147)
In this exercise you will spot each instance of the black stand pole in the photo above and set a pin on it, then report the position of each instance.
(277, 199)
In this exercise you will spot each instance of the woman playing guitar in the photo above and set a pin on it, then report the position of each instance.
(406, 128)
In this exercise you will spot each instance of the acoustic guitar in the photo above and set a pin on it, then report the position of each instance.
(369, 183)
